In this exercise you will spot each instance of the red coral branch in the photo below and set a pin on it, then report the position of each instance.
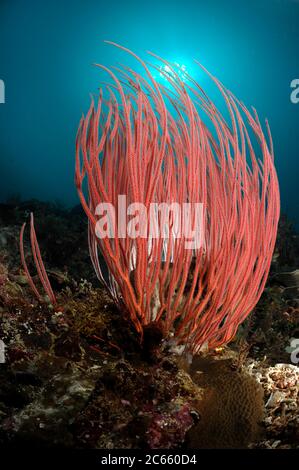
(43, 277)
(154, 144)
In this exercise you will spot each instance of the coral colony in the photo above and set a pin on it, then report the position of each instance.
(191, 247)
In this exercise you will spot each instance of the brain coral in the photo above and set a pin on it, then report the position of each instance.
(231, 410)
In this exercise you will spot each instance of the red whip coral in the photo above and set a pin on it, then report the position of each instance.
(41, 271)
(170, 144)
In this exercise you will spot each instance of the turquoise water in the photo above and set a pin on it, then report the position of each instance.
(47, 52)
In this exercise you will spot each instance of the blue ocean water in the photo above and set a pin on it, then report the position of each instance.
(47, 52)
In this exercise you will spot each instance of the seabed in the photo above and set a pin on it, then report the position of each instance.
(75, 376)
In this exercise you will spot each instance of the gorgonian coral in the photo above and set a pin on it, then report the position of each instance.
(166, 143)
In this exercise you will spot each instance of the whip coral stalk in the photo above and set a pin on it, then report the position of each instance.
(170, 144)
(41, 271)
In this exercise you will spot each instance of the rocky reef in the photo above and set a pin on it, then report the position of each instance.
(75, 375)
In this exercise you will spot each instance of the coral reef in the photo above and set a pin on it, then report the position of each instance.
(231, 410)
(281, 389)
(76, 375)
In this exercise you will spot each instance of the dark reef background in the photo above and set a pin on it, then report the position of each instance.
(47, 52)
